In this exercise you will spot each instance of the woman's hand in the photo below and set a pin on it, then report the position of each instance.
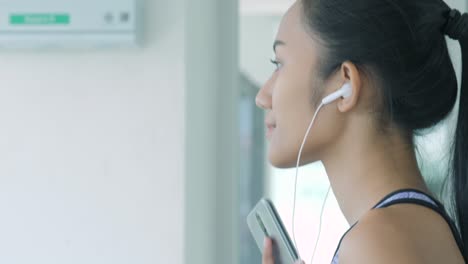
(268, 253)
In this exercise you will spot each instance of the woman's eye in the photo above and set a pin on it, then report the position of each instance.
(277, 64)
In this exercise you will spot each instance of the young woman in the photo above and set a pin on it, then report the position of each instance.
(393, 54)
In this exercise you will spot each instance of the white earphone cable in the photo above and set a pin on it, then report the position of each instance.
(345, 91)
(297, 170)
(320, 225)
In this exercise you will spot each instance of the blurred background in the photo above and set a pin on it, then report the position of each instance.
(129, 134)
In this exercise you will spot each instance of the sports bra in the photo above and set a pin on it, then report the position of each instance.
(411, 196)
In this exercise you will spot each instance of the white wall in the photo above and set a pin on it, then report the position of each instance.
(264, 7)
(92, 151)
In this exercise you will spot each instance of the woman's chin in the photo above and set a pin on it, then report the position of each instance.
(280, 161)
(284, 159)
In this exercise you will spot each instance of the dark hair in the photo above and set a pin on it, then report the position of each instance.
(402, 43)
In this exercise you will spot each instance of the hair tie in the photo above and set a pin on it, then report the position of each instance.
(457, 24)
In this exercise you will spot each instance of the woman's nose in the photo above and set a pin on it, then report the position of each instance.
(263, 98)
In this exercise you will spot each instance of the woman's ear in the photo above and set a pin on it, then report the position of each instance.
(350, 74)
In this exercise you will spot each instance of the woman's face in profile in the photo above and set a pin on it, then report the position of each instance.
(288, 95)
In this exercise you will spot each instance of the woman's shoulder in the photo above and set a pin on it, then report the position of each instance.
(375, 239)
(404, 233)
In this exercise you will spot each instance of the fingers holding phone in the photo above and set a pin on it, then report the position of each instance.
(268, 257)
(268, 252)
(265, 222)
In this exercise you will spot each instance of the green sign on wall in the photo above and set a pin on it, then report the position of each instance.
(39, 19)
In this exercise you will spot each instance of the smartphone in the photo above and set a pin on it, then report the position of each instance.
(264, 221)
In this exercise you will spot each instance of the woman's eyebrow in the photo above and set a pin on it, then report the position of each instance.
(277, 43)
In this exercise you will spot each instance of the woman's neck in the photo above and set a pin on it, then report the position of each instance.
(364, 168)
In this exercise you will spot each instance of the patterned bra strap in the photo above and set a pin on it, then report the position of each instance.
(412, 195)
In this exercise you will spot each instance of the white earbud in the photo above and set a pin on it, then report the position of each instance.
(345, 91)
